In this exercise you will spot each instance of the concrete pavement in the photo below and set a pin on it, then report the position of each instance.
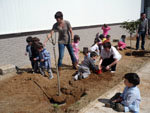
(97, 106)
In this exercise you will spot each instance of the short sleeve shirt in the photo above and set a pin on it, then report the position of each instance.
(113, 51)
(64, 32)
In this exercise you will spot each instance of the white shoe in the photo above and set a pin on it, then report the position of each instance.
(76, 77)
(51, 77)
(112, 71)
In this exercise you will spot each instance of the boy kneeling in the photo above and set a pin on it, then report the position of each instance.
(86, 65)
(129, 100)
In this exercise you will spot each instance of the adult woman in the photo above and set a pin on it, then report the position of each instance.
(109, 57)
(65, 35)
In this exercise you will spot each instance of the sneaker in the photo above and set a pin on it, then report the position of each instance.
(110, 105)
(76, 77)
(80, 77)
(112, 71)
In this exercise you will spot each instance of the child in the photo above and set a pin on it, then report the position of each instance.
(121, 43)
(95, 46)
(130, 99)
(44, 58)
(75, 45)
(86, 52)
(102, 37)
(105, 29)
(35, 53)
(86, 65)
(28, 50)
(108, 37)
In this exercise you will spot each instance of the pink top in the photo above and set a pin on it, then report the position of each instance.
(75, 47)
(105, 30)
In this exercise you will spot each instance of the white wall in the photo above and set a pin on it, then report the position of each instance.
(31, 15)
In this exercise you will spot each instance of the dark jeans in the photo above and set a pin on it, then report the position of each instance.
(61, 53)
(108, 61)
(142, 35)
(117, 105)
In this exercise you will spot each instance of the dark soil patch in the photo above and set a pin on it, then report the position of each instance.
(33, 93)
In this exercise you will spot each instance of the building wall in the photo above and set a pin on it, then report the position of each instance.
(32, 15)
(12, 49)
(147, 8)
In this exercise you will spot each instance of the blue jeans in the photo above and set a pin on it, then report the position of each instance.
(142, 35)
(61, 48)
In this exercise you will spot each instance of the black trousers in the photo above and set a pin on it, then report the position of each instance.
(108, 61)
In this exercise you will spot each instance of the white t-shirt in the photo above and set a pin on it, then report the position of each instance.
(95, 48)
(113, 51)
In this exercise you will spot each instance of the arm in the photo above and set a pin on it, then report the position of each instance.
(71, 33)
(100, 62)
(147, 27)
(48, 36)
(93, 66)
(108, 28)
(46, 56)
(110, 65)
(128, 102)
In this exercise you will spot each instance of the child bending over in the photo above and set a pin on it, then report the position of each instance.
(129, 100)
(86, 65)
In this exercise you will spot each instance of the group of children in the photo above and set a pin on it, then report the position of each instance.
(39, 56)
(129, 100)
(101, 47)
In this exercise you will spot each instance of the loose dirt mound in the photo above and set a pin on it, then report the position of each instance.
(32, 93)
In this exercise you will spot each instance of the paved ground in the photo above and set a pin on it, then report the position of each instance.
(12, 49)
(97, 106)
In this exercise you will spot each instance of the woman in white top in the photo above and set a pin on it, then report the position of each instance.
(109, 57)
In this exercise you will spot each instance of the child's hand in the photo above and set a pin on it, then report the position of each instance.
(117, 100)
(42, 60)
(114, 101)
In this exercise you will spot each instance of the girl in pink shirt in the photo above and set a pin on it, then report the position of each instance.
(105, 29)
(121, 44)
(75, 46)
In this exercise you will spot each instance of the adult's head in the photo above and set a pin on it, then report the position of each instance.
(143, 16)
(59, 16)
(107, 46)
